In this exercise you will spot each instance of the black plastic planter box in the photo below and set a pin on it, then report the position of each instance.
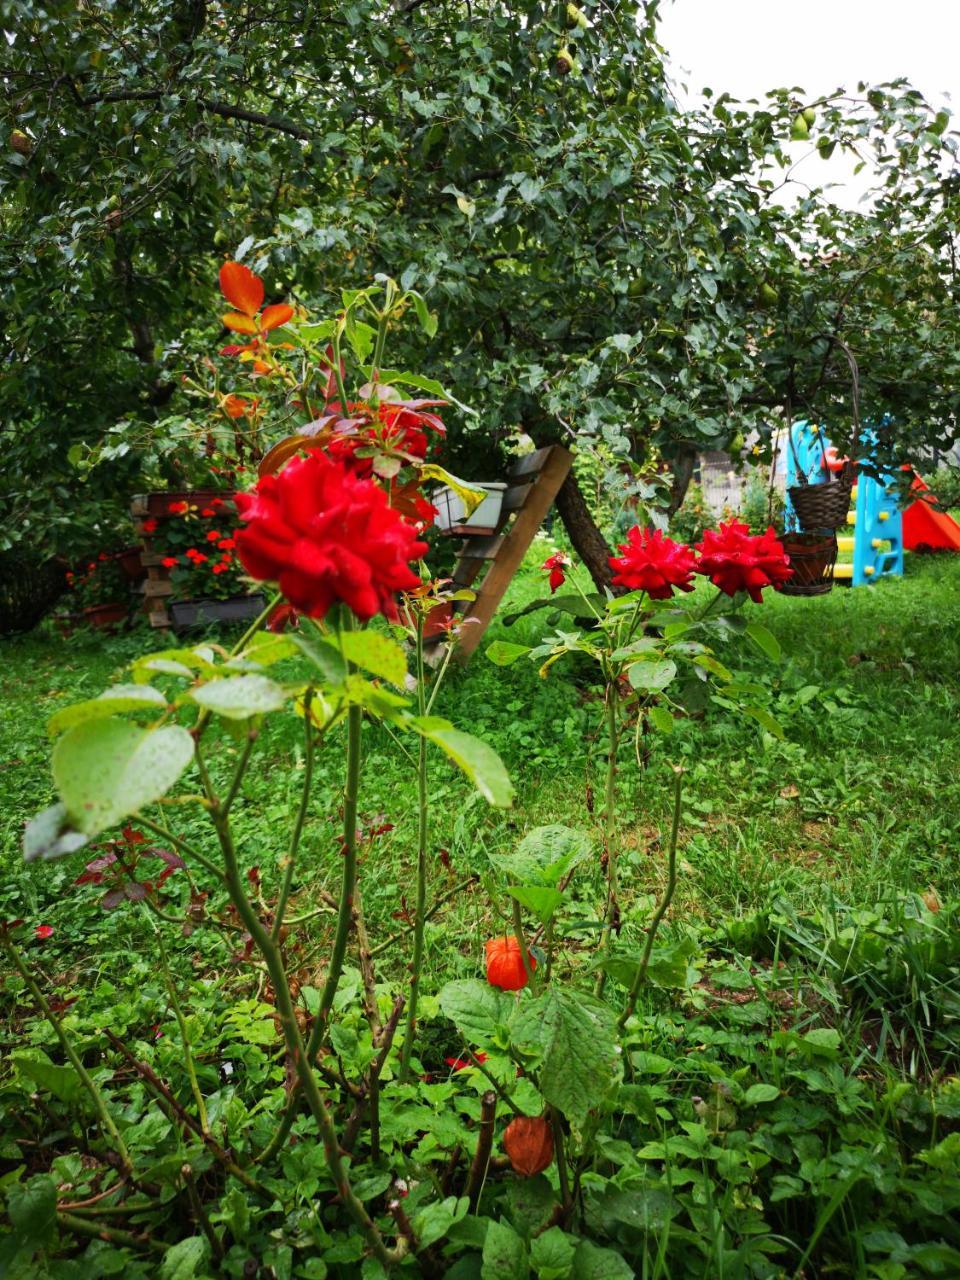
(185, 614)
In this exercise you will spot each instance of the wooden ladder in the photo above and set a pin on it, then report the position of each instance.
(533, 483)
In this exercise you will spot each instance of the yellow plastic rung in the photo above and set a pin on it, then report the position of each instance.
(853, 494)
(883, 515)
(843, 570)
(852, 517)
(845, 544)
(868, 570)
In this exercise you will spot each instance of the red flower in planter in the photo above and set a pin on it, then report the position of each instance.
(652, 563)
(505, 967)
(43, 932)
(244, 290)
(736, 560)
(178, 508)
(150, 526)
(556, 565)
(325, 535)
(170, 562)
(214, 535)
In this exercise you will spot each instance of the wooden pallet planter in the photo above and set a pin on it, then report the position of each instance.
(534, 481)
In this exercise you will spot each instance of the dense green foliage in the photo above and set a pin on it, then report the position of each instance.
(603, 264)
(791, 1103)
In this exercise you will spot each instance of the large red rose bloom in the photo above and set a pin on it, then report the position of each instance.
(324, 535)
(736, 560)
(652, 563)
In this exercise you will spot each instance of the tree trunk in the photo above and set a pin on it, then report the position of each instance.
(682, 467)
(586, 538)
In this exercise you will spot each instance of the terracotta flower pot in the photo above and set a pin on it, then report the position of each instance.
(130, 562)
(105, 617)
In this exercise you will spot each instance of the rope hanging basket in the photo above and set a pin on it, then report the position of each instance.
(822, 506)
(812, 558)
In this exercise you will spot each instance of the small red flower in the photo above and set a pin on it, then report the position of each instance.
(652, 563)
(325, 535)
(170, 562)
(556, 565)
(736, 560)
(214, 535)
(103, 556)
(150, 526)
(461, 1064)
(227, 544)
(208, 511)
(43, 931)
(178, 508)
(505, 967)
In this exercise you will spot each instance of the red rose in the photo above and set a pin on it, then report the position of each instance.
(325, 535)
(150, 526)
(556, 565)
(736, 560)
(170, 562)
(178, 508)
(505, 967)
(214, 535)
(652, 563)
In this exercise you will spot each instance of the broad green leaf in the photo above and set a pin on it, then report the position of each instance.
(575, 1037)
(669, 965)
(122, 697)
(62, 1081)
(643, 644)
(265, 648)
(32, 1208)
(544, 855)
(764, 640)
(380, 702)
(652, 675)
(477, 1008)
(504, 1254)
(184, 1260)
(427, 318)
(661, 718)
(551, 1254)
(477, 759)
(177, 662)
(433, 1222)
(50, 835)
(758, 1093)
(106, 770)
(374, 652)
(764, 718)
(239, 697)
(505, 652)
(468, 495)
(539, 899)
(590, 1262)
(328, 660)
(577, 606)
(716, 668)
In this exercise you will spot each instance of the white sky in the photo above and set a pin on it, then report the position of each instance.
(748, 46)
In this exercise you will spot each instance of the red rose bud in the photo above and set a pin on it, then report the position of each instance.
(652, 563)
(505, 967)
(528, 1141)
(556, 565)
(43, 931)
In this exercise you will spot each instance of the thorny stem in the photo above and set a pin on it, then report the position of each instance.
(662, 907)
(609, 832)
(98, 1231)
(106, 1120)
(200, 1214)
(294, 846)
(183, 847)
(291, 1031)
(416, 959)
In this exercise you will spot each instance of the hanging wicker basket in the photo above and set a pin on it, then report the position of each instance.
(822, 506)
(812, 558)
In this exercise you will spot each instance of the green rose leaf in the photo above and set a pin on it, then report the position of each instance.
(765, 640)
(373, 652)
(477, 759)
(504, 1254)
(49, 835)
(504, 652)
(106, 770)
(122, 697)
(240, 697)
(477, 1009)
(652, 675)
(576, 1038)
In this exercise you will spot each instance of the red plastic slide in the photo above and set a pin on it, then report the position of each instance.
(925, 526)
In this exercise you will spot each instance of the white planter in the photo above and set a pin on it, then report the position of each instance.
(451, 511)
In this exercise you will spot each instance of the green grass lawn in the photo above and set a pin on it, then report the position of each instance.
(819, 893)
